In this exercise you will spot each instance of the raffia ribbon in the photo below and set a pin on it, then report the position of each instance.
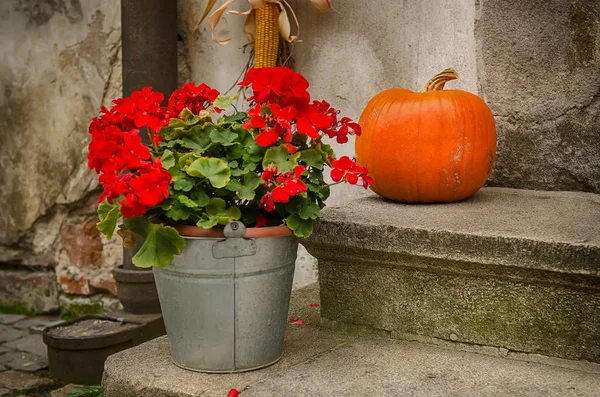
(285, 27)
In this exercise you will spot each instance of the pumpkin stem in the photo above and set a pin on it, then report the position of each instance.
(438, 81)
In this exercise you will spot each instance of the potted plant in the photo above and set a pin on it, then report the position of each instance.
(219, 197)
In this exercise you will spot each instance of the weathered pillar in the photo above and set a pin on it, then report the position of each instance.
(149, 35)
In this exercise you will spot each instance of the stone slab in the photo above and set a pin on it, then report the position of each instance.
(4, 349)
(31, 344)
(386, 368)
(318, 363)
(518, 270)
(510, 227)
(63, 391)
(23, 361)
(7, 319)
(161, 377)
(8, 333)
(21, 381)
(37, 323)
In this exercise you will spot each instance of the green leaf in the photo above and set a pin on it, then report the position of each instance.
(207, 223)
(184, 184)
(108, 215)
(247, 167)
(189, 118)
(235, 151)
(234, 213)
(171, 143)
(245, 190)
(218, 213)
(321, 191)
(187, 201)
(86, 391)
(216, 170)
(279, 155)
(176, 173)
(201, 198)
(311, 158)
(240, 116)
(198, 140)
(137, 224)
(178, 213)
(308, 209)
(186, 160)
(315, 176)
(186, 114)
(301, 227)
(161, 243)
(216, 206)
(224, 102)
(254, 152)
(326, 151)
(224, 137)
(177, 123)
(167, 159)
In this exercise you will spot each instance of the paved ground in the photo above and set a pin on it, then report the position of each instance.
(23, 355)
(319, 363)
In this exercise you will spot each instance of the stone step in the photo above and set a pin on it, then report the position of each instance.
(318, 362)
(512, 269)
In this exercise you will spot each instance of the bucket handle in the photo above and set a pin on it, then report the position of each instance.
(234, 245)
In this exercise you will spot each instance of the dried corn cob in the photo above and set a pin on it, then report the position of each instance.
(266, 44)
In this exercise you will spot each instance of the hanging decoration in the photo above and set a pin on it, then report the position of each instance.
(265, 21)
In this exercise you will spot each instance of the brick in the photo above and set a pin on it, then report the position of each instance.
(21, 381)
(106, 283)
(82, 243)
(78, 285)
(28, 292)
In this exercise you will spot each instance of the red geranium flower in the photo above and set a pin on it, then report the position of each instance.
(347, 168)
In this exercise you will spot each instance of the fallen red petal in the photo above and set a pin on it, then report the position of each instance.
(233, 393)
(314, 305)
(297, 321)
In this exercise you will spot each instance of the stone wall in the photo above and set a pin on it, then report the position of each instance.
(539, 70)
(537, 64)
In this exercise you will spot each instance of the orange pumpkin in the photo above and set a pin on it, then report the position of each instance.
(431, 146)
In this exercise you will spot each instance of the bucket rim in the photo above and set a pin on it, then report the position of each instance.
(251, 232)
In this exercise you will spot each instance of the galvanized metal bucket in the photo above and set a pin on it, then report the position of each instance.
(225, 300)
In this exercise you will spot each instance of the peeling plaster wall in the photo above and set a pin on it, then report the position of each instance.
(61, 63)
(59, 72)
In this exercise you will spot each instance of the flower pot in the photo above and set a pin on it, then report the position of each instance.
(136, 290)
(225, 298)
